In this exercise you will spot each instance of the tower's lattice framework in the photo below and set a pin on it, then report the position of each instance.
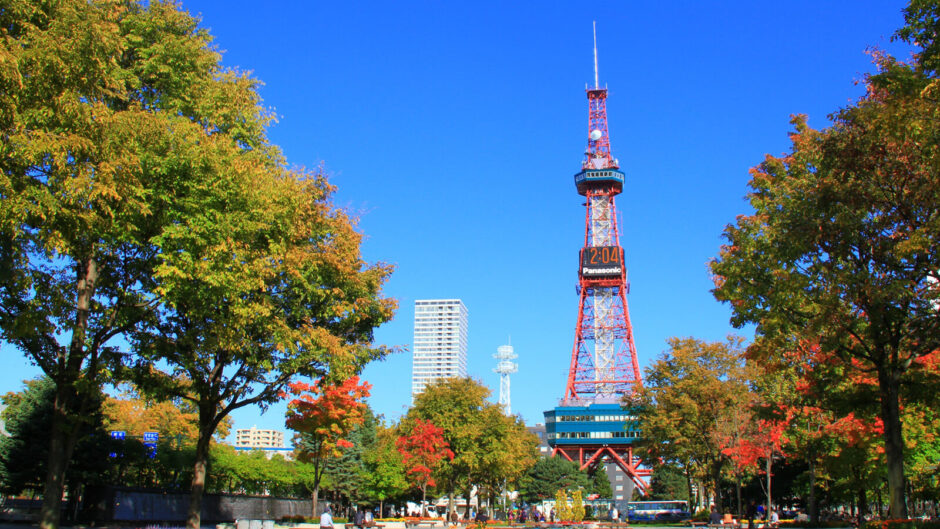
(604, 364)
(591, 425)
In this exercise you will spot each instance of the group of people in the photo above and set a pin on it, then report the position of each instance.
(363, 518)
(520, 515)
(753, 514)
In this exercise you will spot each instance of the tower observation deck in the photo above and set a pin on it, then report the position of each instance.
(591, 425)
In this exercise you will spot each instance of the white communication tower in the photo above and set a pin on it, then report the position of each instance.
(505, 367)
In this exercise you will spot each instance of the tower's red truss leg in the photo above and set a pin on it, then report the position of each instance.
(590, 456)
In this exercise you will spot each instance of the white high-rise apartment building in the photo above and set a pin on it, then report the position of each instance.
(440, 344)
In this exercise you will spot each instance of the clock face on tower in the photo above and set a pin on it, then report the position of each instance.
(601, 261)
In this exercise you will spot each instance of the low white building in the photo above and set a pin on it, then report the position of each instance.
(257, 438)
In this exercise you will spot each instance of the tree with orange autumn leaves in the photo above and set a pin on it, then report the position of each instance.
(131, 412)
(751, 444)
(695, 395)
(423, 448)
(827, 414)
(843, 246)
(323, 414)
(721, 412)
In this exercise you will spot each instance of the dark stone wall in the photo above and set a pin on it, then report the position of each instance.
(114, 504)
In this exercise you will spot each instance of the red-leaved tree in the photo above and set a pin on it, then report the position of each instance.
(323, 414)
(423, 448)
(761, 440)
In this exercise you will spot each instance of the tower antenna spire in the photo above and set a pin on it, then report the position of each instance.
(596, 81)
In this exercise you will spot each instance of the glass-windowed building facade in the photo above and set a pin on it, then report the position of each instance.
(598, 424)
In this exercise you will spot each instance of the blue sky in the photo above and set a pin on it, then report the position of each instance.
(453, 130)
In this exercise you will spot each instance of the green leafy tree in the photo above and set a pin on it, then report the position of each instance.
(28, 417)
(93, 96)
(174, 420)
(491, 450)
(505, 450)
(139, 193)
(385, 471)
(348, 471)
(600, 483)
(549, 475)
(922, 427)
(922, 26)
(279, 321)
(254, 472)
(668, 482)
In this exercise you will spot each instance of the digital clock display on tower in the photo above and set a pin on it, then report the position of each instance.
(601, 261)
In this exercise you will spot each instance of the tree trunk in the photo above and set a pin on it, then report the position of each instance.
(688, 484)
(737, 492)
(194, 516)
(63, 436)
(317, 474)
(716, 477)
(76, 491)
(889, 388)
(57, 465)
(813, 508)
(862, 502)
(467, 494)
(770, 502)
(62, 441)
(881, 505)
(857, 473)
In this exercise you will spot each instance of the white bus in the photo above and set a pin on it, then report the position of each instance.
(656, 511)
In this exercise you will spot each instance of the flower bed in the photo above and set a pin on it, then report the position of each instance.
(901, 524)
(816, 525)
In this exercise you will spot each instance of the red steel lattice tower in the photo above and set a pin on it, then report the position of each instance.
(604, 364)
(591, 426)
